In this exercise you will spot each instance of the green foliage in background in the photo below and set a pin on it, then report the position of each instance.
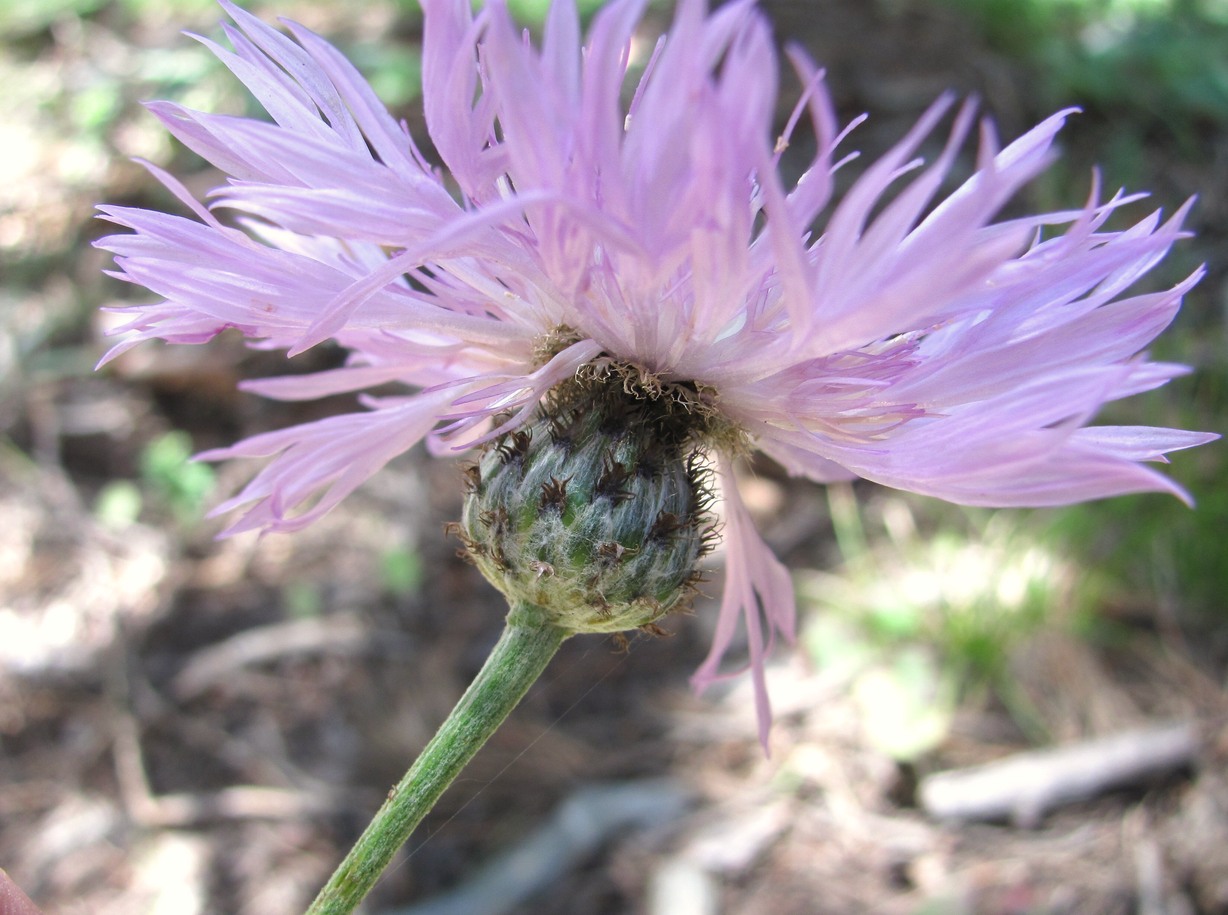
(1153, 77)
(1161, 554)
(534, 11)
(401, 571)
(1160, 64)
(170, 484)
(171, 476)
(19, 18)
(932, 603)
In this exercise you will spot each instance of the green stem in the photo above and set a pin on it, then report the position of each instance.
(526, 646)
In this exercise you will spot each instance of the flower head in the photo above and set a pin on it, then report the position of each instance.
(912, 339)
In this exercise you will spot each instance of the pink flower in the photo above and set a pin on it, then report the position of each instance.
(909, 340)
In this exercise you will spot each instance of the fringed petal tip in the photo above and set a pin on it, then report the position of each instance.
(892, 343)
(313, 466)
(758, 596)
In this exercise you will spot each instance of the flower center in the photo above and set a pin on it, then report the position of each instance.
(596, 511)
(689, 409)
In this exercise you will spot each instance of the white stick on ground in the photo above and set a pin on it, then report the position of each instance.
(580, 826)
(1025, 786)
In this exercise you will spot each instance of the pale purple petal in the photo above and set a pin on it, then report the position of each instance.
(913, 338)
(316, 465)
(758, 595)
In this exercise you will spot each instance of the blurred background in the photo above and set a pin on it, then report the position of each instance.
(191, 726)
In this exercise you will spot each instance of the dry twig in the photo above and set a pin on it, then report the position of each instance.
(1024, 786)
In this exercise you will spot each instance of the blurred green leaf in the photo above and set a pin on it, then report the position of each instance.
(118, 504)
(401, 572)
(533, 12)
(933, 607)
(171, 475)
(303, 599)
(394, 71)
(1159, 65)
(24, 17)
(837, 646)
(1157, 549)
(144, 8)
(95, 107)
